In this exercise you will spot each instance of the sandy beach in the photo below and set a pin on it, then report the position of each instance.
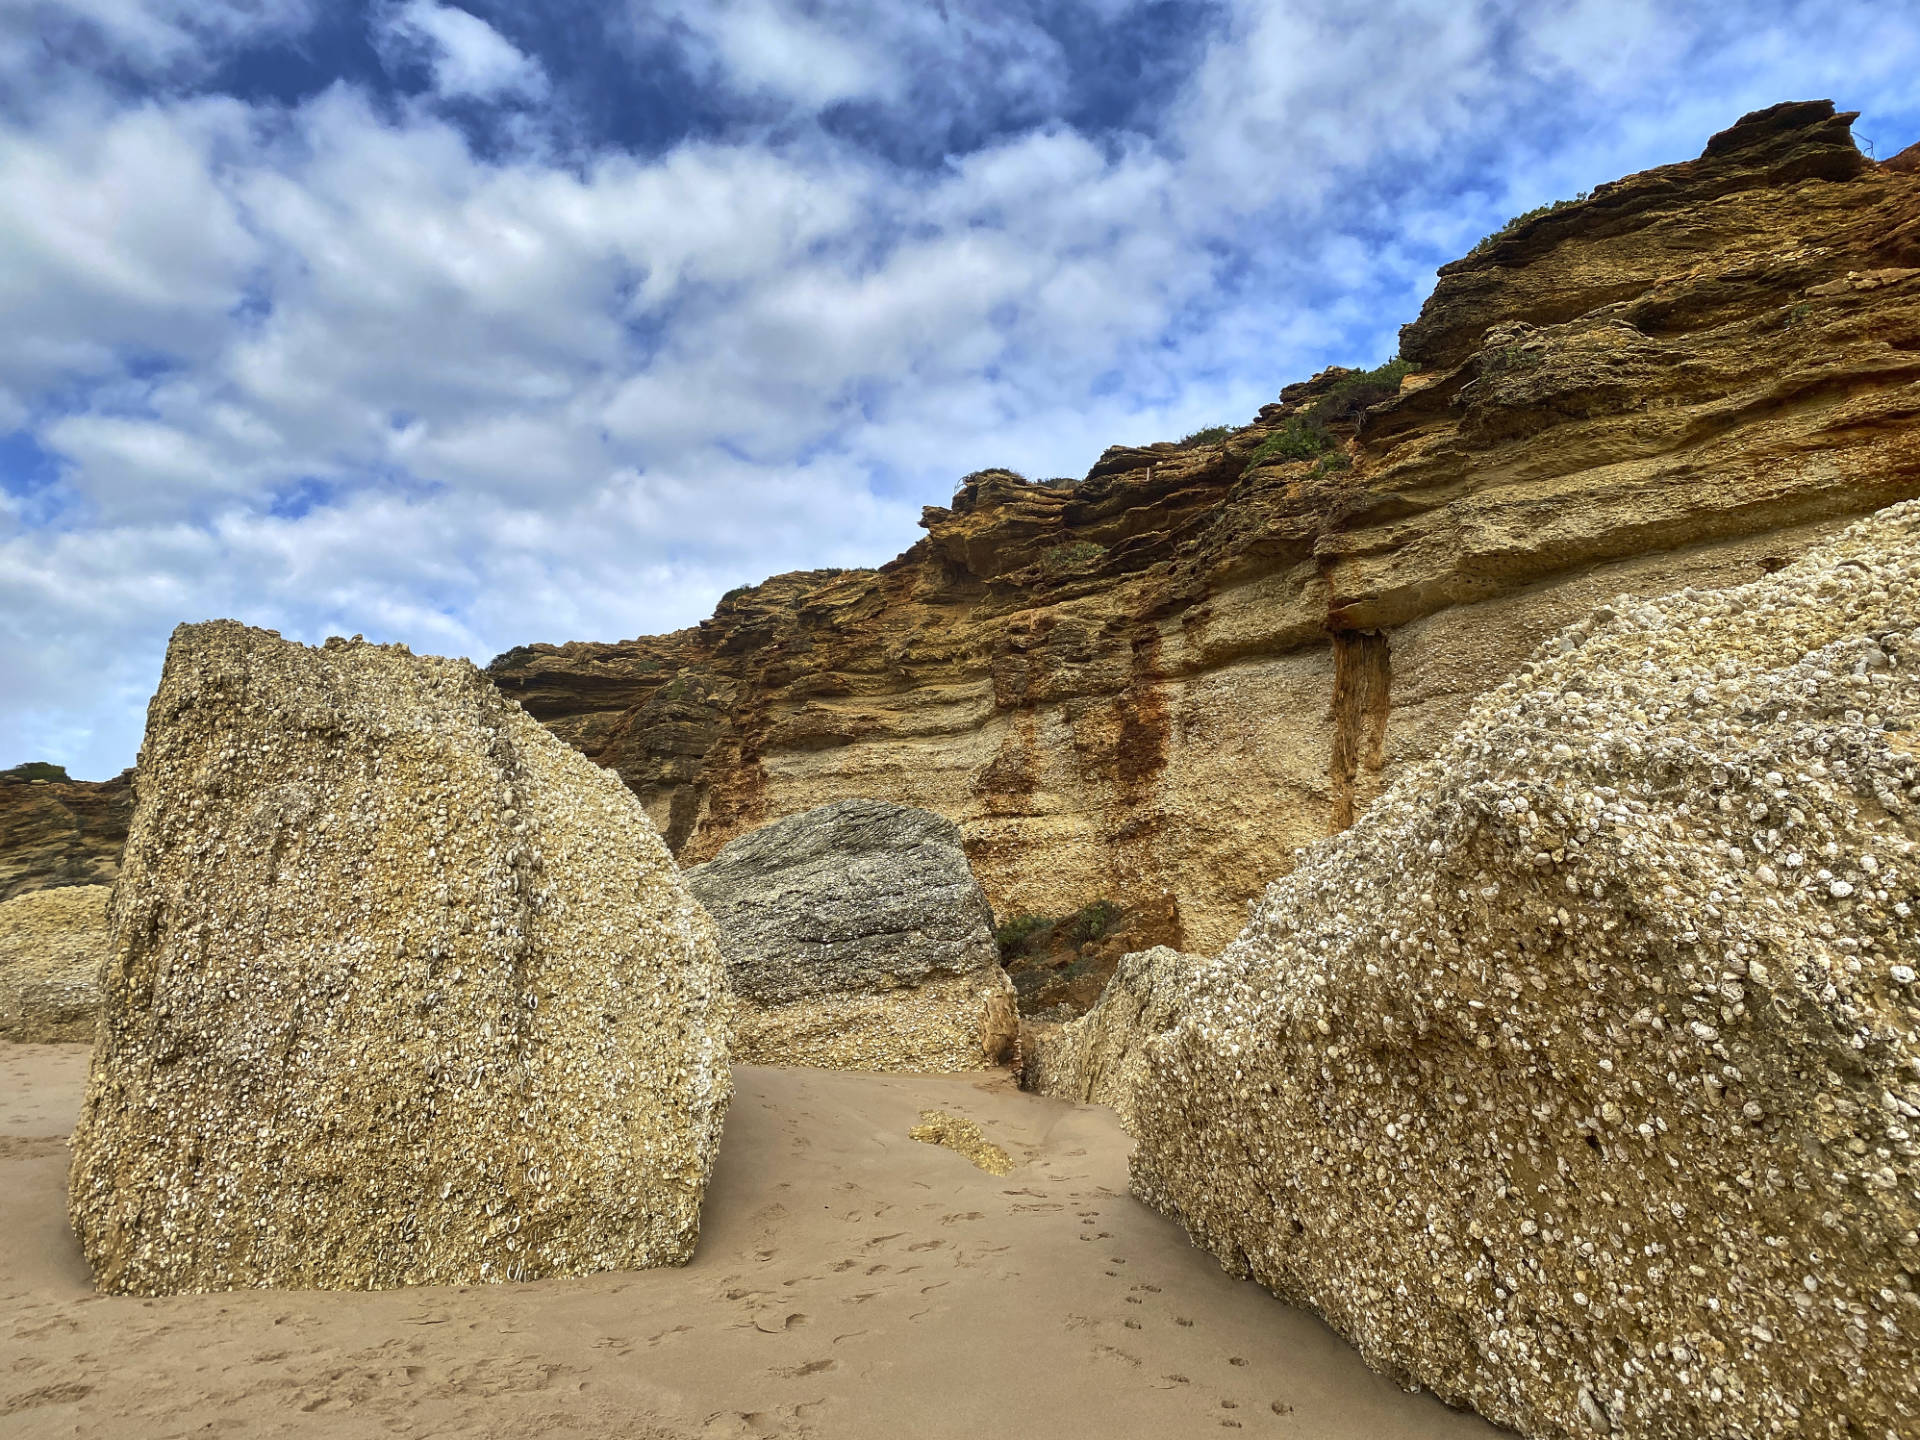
(851, 1282)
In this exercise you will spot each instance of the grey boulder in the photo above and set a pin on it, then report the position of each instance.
(856, 937)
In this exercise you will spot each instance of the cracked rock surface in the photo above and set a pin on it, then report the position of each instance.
(857, 938)
(402, 990)
(1579, 1081)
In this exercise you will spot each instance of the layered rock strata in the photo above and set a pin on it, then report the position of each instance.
(1579, 1081)
(55, 831)
(1154, 684)
(856, 938)
(1100, 1058)
(401, 991)
(52, 945)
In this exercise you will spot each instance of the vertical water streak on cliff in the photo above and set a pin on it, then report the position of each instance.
(1362, 696)
(1145, 723)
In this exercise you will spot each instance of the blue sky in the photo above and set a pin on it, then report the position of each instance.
(476, 325)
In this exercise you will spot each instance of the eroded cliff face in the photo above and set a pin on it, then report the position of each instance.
(1155, 683)
(55, 831)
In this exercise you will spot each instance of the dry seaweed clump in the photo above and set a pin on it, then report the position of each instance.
(402, 990)
(1101, 1057)
(1579, 1081)
(52, 943)
(962, 1136)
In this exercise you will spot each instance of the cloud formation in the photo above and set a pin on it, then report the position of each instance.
(473, 325)
(465, 55)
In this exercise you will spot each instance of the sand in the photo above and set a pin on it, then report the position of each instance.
(852, 1282)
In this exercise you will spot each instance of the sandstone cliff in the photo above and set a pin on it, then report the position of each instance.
(1577, 1081)
(1153, 684)
(55, 831)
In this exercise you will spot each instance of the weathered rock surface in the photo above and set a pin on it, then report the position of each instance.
(1579, 1081)
(1101, 1057)
(402, 991)
(1153, 685)
(59, 831)
(52, 944)
(857, 938)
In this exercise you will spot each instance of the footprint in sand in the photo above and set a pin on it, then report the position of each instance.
(64, 1394)
(739, 1426)
(776, 1324)
(812, 1367)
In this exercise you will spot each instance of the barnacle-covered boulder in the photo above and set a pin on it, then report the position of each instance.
(52, 943)
(1579, 1081)
(402, 990)
(1100, 1058)
(856, 938)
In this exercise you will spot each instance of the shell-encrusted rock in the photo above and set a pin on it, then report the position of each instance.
(1579, 1081)
(401, 991)
(856, 938)
(1101, 1058)
(52, 943)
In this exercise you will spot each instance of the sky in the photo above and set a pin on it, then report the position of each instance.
(476, 325)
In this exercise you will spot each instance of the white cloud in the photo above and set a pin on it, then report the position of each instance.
(937, 61)
(327, 367)
(117, 234)
(468, 57)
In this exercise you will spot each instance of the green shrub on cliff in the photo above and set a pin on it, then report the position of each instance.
(1015, 933)
(1033, 934)
(1352, 394)
(1301, 438)
(37, 770)
(1074, 555)
(1093, 921)
(1206, 435)
(1489, 241)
